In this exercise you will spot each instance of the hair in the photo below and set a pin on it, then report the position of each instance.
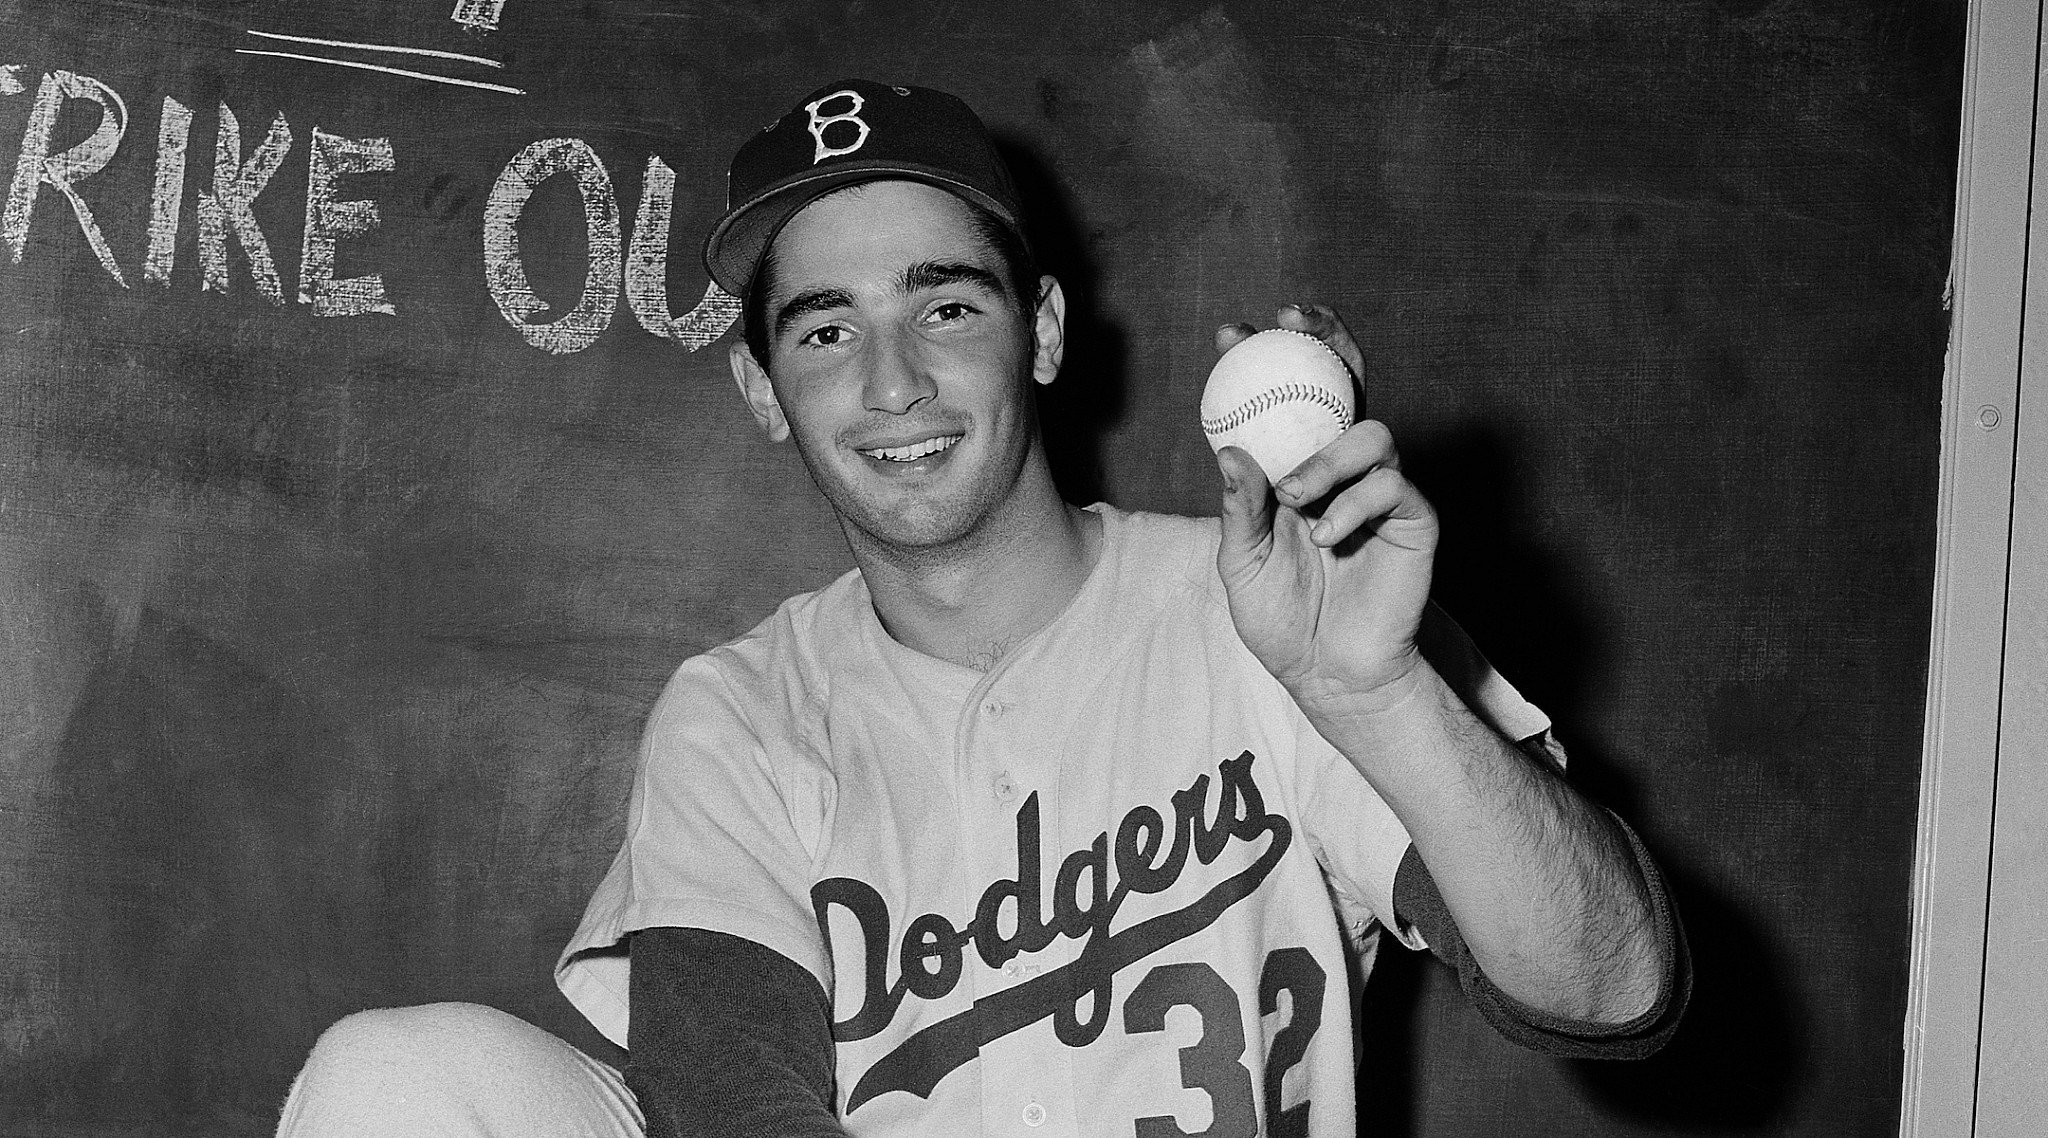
(1006, 241)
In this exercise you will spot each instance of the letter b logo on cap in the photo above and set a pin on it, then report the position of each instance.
(819, 124)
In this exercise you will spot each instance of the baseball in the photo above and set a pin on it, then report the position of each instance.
(1281, 395)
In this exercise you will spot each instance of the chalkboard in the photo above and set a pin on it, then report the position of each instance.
(368, 459)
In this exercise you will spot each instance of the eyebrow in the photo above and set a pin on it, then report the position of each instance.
(937, 274)
(805, 303)
(922, 275)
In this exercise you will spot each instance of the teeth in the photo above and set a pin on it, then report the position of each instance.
(914, 451)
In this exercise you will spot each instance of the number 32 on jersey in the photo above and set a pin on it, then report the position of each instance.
(1214, 1063)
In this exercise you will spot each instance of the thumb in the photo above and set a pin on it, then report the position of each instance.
(1248, 504)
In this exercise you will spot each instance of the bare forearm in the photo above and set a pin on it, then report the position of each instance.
(1539, 880)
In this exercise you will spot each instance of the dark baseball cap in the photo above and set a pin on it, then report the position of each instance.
(853, 130)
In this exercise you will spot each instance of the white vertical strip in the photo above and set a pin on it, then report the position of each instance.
(1960, 748)
(2012, 1067)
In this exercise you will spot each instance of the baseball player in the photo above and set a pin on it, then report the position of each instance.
(1044, 820)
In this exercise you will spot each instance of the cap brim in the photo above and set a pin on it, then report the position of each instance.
(733, 250)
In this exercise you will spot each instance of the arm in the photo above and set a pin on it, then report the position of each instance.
(1327, 584)
(1418, 903)
(728, 1038)
(1540, 882)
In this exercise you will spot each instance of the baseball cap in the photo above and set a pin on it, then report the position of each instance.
(852, 130)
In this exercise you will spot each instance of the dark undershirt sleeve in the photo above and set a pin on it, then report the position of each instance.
(1417, 901)
(727, 1037)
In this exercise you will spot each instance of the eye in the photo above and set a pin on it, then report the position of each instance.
(825, 336)
(947, 311)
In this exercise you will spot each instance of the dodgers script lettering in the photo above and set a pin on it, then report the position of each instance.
(1089, 889)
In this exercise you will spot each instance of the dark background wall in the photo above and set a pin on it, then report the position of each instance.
(327, 637)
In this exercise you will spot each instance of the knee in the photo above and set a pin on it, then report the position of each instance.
(423, 1025)
(422, 1071)
(430, 1041)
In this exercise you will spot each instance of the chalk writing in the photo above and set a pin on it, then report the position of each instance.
(398, 49)
(235, 187)
(226, 215)
(168, 197)
(37, 167)
(647, 266)
(327, 219)
(478, 15)
(402, 71)
(506, 276)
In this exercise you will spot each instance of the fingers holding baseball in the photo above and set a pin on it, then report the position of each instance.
(1362, 448)
(1355, 483)
(1382, 504)
(1318, 320)
(1327, 599)
(1322, 322)
(1231, 335)
(1248, 506)
(1327, 580)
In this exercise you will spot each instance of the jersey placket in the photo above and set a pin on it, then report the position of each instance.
(1025, 1076)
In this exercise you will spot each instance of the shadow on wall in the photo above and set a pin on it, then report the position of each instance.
(193, 795)
(1078, 410)
(1735, 1065)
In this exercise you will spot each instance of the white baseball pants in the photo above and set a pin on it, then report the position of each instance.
(441, 1070)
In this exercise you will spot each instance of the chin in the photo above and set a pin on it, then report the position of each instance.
(921, 526)
(932, 515)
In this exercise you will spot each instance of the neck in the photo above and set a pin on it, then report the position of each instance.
(972, 599)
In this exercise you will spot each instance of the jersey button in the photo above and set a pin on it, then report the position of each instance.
(1005, 787)
(1034, 1115)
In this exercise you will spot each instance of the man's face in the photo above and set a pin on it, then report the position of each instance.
(900, 363)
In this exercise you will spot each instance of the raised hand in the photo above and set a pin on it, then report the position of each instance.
(1328, 581)
(1328, 577)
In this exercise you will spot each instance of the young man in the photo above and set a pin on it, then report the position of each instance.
(1047, 819)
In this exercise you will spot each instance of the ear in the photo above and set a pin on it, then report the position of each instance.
(1049, 331)
(758, 392)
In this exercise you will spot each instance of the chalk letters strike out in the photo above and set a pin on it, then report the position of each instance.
(245, 161)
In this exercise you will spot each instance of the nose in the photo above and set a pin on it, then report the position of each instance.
(897, 378)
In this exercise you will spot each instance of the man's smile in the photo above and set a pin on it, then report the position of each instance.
(913, 451)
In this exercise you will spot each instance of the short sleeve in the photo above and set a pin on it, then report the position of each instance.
(1354, 833)
(1483, 689)
(721, 834)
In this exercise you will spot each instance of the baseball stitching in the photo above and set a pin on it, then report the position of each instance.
(1274, 396)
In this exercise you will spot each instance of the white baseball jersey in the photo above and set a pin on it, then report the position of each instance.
(1110, 887)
